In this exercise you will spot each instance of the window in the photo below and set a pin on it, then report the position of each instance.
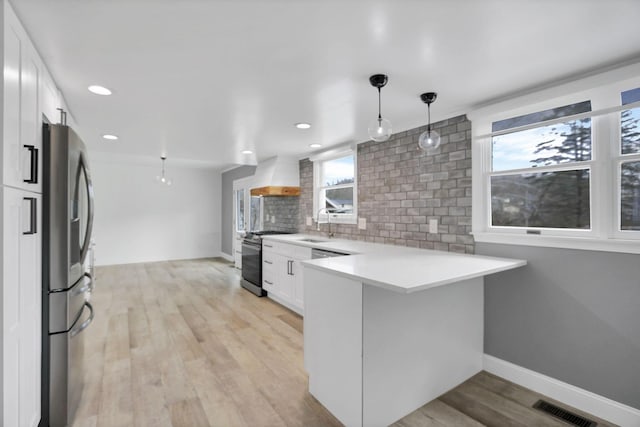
(563, 171)
(240, 210)
(541, 175)
(256, 213)
(630, 163)
(335, 188)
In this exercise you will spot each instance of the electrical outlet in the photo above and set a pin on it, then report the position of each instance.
(273, 219)
(362, 223)
(433, 226)
(309, 220)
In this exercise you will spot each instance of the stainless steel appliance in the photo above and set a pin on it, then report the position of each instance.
(252, 261)
(323, 253)
(66, 284)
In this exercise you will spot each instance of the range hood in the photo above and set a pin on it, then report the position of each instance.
(277, 176)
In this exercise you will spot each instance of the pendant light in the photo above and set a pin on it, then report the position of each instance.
(379, 129)
(429, 140)
(162, 179)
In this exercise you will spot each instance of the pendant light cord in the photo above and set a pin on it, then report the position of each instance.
(379, 107)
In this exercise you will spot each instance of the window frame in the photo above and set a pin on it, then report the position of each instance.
(318, 161)
(605, 163)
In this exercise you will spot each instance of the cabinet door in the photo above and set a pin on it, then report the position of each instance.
(298, 284)
(285, 285)
(22, 146)
(30, 122)
(13, 152)
(49, 98)
(21, 306)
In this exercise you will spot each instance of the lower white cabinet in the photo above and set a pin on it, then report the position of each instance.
(21, 307)
(282, 273)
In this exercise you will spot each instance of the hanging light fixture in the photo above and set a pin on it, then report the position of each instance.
(162, 179)
(379, 129)
(429, 140)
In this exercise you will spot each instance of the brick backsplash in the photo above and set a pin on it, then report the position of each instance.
(285, 209)
(400, 188)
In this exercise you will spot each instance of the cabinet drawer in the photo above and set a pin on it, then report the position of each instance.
(287, 249)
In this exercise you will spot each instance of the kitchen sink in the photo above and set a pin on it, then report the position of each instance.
(306, 239)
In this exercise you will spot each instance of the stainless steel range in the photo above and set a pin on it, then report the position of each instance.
(252, 261)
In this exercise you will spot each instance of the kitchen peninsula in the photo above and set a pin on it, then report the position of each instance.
(389, 328)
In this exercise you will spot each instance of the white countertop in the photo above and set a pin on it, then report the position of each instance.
(397, 268)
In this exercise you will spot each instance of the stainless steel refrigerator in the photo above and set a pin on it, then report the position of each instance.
(66, 284)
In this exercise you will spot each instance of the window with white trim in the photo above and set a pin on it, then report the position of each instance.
(540, 174)
(560, 169)
(629, 167)
(335, 189)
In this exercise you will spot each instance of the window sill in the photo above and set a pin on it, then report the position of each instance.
(580, 243)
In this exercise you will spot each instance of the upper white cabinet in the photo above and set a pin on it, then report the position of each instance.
(29, 93)
(49, 99)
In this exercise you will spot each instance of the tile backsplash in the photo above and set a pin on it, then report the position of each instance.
(281, 213)
(401, 188)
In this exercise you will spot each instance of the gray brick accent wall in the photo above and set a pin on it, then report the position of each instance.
(286, 211)
(400, 188)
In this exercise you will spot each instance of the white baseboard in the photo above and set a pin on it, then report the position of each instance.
(584, 400)
(227, 257)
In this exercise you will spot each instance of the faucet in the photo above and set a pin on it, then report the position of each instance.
(328, 220)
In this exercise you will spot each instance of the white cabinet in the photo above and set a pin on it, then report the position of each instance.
(22, 127)
(282, 273)
(21, 306)
(28, 94)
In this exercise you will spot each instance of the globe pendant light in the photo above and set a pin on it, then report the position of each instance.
(429, 140)
(379, 129)
(162, 179)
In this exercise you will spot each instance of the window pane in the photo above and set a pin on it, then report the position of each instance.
(630, 196)
(240, 210)
(546, 145)
(338, 171)
(339, 200)
(549, 200)
(540, 116)
(255, 214)
(630, 96)
(630, 131)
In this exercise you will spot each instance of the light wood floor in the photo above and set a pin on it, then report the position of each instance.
(181, 344)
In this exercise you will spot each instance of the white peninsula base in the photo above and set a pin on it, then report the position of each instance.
(374, 355)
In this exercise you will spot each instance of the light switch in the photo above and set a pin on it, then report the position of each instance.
(433, 226)
(309, 220)
(362, 223)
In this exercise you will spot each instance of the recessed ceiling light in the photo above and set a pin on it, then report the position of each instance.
(99, 90)
(247, 152)
(110, 137)
(303, 125)
(315, 145)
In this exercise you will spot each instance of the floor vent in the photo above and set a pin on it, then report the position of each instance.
(563, 414)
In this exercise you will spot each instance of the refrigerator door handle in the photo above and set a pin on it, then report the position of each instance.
(91, 284)
(87, 236)
(86, 285)
(73, 331)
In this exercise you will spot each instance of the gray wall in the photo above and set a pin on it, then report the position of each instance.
(285, 210)
(401, 188)
(227, 204)
(570, 314)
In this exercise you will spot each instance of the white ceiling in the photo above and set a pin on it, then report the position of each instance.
(203, 80)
